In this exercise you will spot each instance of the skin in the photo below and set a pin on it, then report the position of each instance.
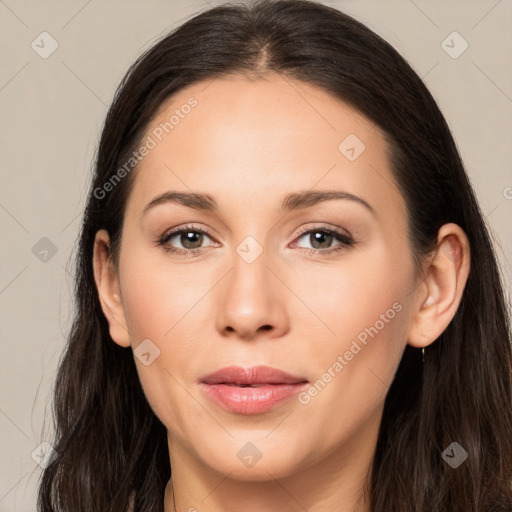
(247, 145)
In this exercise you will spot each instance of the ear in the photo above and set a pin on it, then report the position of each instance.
(109, 290)
(439, 294)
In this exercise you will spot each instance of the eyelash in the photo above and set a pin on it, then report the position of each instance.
(346, 242)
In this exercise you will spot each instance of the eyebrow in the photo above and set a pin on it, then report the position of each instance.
(293, 201)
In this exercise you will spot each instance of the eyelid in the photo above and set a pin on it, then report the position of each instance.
(189, 227)
(342, 235)
(302, 230)
(345, 239)
(174, 231)
(323, 227)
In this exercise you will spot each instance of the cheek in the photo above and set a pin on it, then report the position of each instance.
(355, 353)
(162, 303)
(351, 296)
(156, 295)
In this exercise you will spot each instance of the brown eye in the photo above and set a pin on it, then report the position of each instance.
(321, 240)
(185, 240)
(190, 239)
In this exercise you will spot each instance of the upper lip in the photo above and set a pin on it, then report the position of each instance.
(254, 375)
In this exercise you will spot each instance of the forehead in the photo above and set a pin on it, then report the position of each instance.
(279, 112)
(262, 138)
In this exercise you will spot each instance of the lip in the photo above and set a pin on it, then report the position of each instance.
(251, 390)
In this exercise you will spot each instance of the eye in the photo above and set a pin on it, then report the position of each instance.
(321, 239)
(190, 238)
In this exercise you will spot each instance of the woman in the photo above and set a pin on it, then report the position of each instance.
(287, 298)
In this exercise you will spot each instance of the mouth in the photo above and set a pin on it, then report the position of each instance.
(257, 375)
(251, 391)
(253, 385)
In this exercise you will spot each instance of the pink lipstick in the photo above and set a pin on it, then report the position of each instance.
(251, 390)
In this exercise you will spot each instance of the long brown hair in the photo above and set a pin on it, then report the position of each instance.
(463, 391)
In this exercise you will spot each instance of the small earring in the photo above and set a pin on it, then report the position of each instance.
(423, 354)
(429, 301)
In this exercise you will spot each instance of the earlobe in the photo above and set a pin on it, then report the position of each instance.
(109, 291)
(440, 293)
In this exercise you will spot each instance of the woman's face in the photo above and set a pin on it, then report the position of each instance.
(320, 287)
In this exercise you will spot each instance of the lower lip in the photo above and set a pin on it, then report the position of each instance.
(247, 400)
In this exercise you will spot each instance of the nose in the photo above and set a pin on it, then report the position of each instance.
(251, 301)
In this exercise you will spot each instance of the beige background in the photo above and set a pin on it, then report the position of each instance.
(52, 111)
